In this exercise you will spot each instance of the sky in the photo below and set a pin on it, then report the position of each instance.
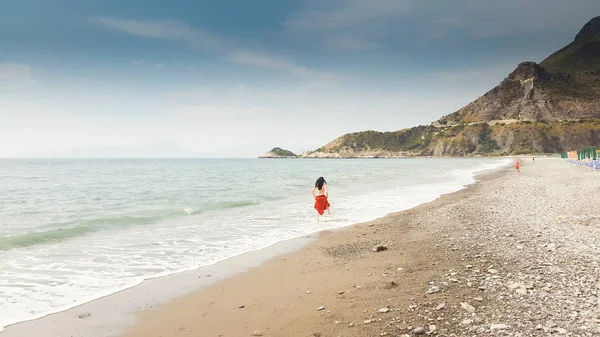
(237, 78)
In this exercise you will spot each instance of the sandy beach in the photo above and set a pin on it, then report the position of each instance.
(512, 255)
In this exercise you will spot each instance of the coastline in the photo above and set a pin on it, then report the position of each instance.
(482, 260)
(112, 313)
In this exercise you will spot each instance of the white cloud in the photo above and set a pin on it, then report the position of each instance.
(165, 29)
(278, 63)
(352, 43)
(513, 17)
(346, 24)
(233, 50)
(482, 74)
(344, 14)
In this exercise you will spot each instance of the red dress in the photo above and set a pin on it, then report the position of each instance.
(321, 204)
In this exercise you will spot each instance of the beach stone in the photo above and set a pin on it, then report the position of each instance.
(320, 308)
(514, 286)
(432, 328)
(257, 333)
(561, 331)
(521, 291)
(419, 330)
(384, 310)
(241, 306)
(498, 327)
(466, 306)
(379, 248)
(467, 322)
(390, 285)
(350, 325)
(441, 306)
(85, 315)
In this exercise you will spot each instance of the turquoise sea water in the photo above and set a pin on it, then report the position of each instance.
(75, 230)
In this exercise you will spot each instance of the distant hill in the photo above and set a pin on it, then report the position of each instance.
(539, 108)
(277, 152)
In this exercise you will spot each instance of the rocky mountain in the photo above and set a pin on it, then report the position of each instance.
(277, 152)
(581, 55)
(539, 108)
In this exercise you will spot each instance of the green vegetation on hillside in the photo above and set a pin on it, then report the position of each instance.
(283, 153)
(475, 139)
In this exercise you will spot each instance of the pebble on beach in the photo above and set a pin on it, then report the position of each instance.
(379, 248)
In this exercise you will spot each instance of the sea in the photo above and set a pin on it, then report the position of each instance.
(74, 230)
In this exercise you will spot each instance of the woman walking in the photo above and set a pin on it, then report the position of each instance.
(321, 202)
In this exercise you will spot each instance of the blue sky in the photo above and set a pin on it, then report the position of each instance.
(235, 78)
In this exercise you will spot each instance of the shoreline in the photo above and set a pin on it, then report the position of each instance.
(130, 300)
(332, 156)
(143, 329)
(479, 261)
(66, 317)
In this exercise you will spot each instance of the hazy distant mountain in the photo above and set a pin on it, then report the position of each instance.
(157, 150)
(539, 108)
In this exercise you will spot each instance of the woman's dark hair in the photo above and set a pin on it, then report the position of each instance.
(320, 182)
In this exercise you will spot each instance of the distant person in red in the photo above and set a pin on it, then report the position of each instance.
(321, 202)
(518, 167)
(533, 158)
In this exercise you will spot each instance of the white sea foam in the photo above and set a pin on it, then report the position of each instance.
(55, 275)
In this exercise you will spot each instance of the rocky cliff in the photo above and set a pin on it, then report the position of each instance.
(549, 107)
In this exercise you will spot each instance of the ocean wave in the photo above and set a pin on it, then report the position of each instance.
(222, 205)
(65, 231)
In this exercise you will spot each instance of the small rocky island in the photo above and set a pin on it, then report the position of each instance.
(278, 152)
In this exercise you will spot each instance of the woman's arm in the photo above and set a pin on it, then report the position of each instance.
(326, 192)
